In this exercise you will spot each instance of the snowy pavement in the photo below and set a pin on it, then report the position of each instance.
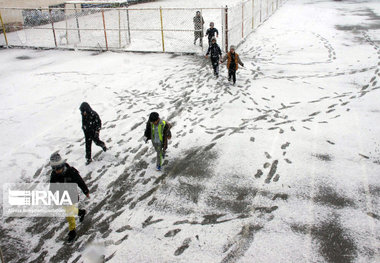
(282, 167)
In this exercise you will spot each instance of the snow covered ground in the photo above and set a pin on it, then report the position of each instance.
(283, 167)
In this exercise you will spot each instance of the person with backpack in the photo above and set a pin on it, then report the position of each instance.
(64, 173)
(215, 53)
(233, 61)
(158, 131)
(198, 28)
(211, 32)
(91, 125)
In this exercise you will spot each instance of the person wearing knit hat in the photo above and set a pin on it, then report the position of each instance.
(233, 61)
(62, 172)
(158, 131)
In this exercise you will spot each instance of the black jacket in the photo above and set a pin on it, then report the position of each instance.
(69, 175)
(211, 32)
(214, 50)
(91, 123)
(166, 133)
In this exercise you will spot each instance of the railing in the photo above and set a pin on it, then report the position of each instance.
(130, 29)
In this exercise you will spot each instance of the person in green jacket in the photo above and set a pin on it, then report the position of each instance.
(158, 131)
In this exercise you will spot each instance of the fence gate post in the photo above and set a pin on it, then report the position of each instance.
(129, 27)
(5, 33)
(119, 28)
(226, 17)
(76, 17)
(104, 26)
(52, 26)
(162, 31)
(253, 14)
(242, 19)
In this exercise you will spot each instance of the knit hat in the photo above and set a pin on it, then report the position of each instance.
(153, 117)
(213, 38)
(211, 23)
(233, 47)
(56, 160)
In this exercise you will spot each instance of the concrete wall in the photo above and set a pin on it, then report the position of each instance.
(12, 17)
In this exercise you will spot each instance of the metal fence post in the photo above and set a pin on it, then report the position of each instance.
(226, 17)
(242, 19)
(5, 33)
(76, 17)
(119, 28)
(253, 14)
(129, 27)
(162, 31)
(104, 26)
(52, 26)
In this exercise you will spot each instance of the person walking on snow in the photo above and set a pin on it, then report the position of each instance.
(215, 52)
(91, 125)
(198, 28)
(233, 61)
(211, 32)
(64, 173)
(158, 131)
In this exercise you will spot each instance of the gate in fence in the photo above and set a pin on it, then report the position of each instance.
(76, 26)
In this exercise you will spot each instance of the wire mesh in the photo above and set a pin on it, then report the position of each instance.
(150, 29)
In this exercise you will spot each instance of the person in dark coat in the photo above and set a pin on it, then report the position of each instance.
(211, 32)
(91, 125)
(215, 53)
(233, 61)
(64, 173)
(198, 28)
(158, 131)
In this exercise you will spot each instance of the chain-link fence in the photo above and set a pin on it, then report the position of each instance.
(78, 26)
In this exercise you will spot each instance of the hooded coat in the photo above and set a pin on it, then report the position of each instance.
(91, 123)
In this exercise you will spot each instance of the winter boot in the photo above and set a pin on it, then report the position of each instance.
(88, 161)
(104, 147)
(81, 214)
(158, 167)
(72, 234)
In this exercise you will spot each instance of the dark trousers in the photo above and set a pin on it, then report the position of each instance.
(215, 65)
(92, 138)
(232, 73)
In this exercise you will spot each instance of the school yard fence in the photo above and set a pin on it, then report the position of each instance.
(75, 26)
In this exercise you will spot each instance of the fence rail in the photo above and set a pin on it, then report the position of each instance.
(130, 29)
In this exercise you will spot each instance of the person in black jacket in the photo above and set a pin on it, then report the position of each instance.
(91, 125)
(211, 32)
(64, 173)
(215, 52)
(158, 131)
